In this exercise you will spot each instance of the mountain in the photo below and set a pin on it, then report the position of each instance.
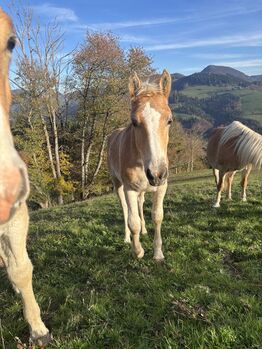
(176, 76)
(221, 70)
(218, 95)
(210, 79)
(255, 78)
(215, 75)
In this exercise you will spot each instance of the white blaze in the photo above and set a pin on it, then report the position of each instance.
(152, 120)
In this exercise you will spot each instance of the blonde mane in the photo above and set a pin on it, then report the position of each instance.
(150, 86)
(248, 144)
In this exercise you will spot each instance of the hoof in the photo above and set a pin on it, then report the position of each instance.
(144, 231)
(43, 340)
(159, 257)
(127, 240)
(216, 205)
(140, 254)
(244, 199)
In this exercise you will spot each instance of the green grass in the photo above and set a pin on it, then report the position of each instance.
(94, 294)
(251, 103)
(205, 91)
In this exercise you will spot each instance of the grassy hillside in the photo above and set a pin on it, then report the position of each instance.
(251, 100)
(204, 91)
(207, 293)
(251, 103)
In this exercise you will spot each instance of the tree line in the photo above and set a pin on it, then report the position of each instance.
(66, 105)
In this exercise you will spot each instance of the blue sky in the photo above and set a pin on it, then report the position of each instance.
(181, 35)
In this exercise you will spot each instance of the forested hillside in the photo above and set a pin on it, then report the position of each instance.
(218, 95)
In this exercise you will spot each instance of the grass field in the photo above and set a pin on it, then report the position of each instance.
(204, 91)
(94, 294)
(251, 103)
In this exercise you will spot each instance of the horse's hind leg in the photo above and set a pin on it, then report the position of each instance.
(19, 269)
(244, 181)
(229, 179)
(141, 200)
(157, 217)
(220, 187)
(121, 195)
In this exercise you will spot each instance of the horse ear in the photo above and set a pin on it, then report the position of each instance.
(134, 84)
(165, 83)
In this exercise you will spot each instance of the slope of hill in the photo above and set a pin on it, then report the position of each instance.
(95, 295)
(210, 79)
(255, 78)
(221, 70)
(220, 95)
(176, 76)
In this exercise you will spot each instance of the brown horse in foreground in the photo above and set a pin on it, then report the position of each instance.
(230, 149)
(137, 157)
(14, 190)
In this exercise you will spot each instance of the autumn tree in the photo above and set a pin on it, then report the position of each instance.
(39, 68)
(138, 61)
(100, 77)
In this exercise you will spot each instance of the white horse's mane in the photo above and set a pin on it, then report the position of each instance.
(248, 144)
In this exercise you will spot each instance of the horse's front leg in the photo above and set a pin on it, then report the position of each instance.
(157, 217)
(19, 269)
(134, 221)
(141, 200)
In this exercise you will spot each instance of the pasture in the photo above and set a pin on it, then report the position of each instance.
(251, 101)
(94, 294)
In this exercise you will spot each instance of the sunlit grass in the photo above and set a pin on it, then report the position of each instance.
(93, 294)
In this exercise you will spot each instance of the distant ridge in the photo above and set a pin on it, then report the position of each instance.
(215, 75)
(222, 70)
(176, 76)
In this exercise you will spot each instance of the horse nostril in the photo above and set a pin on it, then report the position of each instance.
(149, 175)
(163, 174)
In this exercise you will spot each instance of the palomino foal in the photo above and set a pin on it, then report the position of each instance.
(230, 149)
(14, 189)
(137, 157)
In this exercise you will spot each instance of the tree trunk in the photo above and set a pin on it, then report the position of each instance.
(48, 145)
(56, 149)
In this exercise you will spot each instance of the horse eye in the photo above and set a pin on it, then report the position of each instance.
(135, 123)
(11, 43)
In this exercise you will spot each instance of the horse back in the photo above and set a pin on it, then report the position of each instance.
(222, 156)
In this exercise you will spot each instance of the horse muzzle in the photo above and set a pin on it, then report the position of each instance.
(14, 189)
(157, 178)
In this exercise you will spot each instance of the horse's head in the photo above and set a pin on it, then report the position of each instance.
(151, 118)
(14, 185)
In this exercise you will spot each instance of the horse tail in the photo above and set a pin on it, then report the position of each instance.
(246, 142)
